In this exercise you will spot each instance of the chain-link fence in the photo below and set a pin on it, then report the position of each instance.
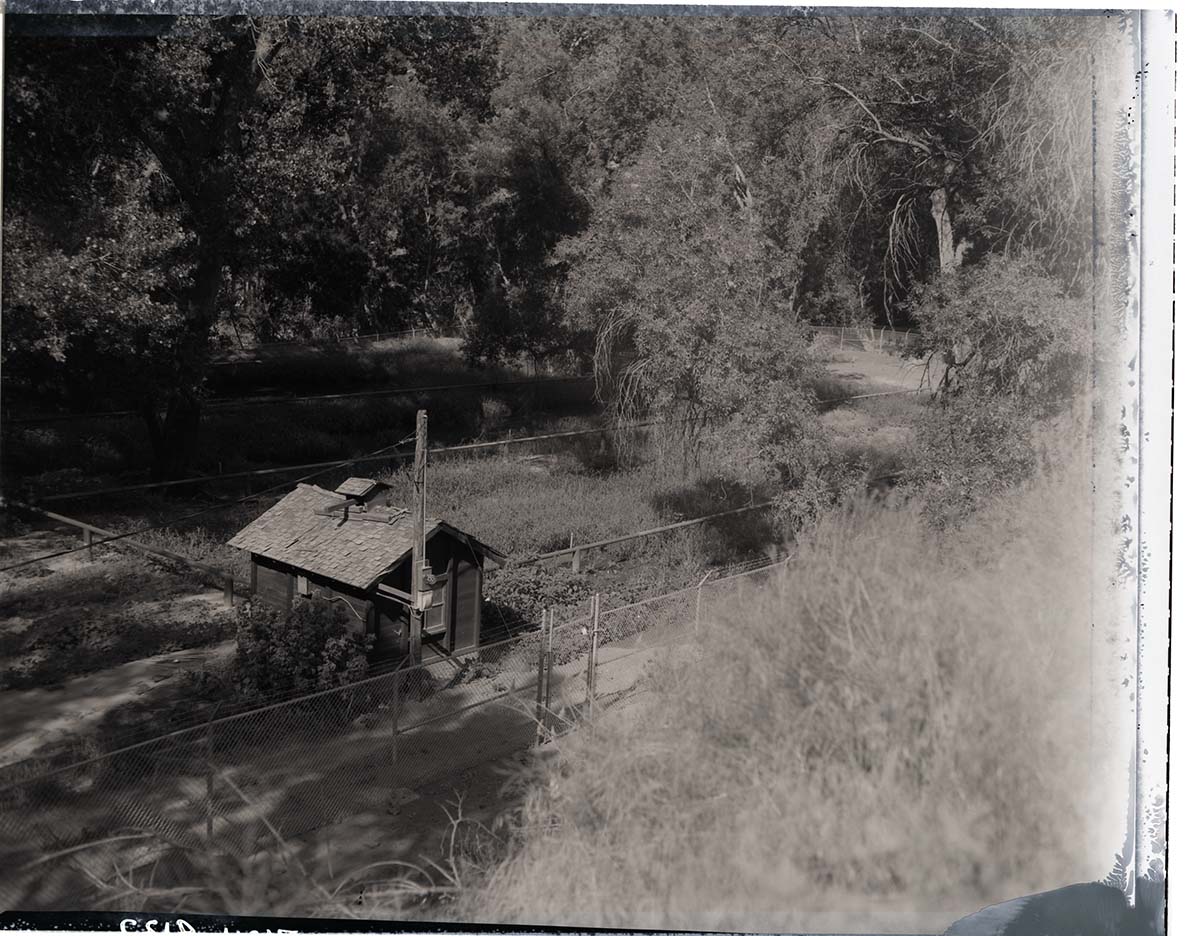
(869, 338)
(72, 831)
(596, 661)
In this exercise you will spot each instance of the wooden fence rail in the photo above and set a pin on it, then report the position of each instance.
(90, 531)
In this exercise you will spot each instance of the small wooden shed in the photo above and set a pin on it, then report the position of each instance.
(348, 546)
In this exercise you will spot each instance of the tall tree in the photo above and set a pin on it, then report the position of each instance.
(967, 135)
(147, 174)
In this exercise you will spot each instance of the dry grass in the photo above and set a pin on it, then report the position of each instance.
(896, 720)
(526, 504)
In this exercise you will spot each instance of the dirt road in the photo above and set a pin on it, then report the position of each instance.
(34, 718)
(878, 371)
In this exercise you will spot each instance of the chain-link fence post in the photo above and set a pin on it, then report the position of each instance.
(699, 592)
(545, 720)
(395, 715)
(591, 667)
(209, 771)
(541, 674)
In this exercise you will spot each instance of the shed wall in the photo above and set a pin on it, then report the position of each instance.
(458, 598)
(279, 585)
(272, 585)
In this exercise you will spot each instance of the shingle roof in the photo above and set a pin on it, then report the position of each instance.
(356, 552)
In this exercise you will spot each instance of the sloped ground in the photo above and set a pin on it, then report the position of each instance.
(339, 799)
(902, 725)
(34, 718)
(876, 429)
(73, 615)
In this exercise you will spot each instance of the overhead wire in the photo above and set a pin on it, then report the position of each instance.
(468, 446)
(223, 505)
(225, 405)
(444, 449)
(324, 468)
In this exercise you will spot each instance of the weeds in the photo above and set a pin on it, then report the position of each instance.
(886, 722)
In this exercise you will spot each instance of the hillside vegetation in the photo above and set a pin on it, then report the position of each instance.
(666, 205)
(894, 718)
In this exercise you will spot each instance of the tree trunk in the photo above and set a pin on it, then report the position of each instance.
(174, 434)
(201, 167)
(174, 420)
(948, 257)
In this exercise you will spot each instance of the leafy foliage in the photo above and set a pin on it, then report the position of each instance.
(309, 648)
(1010, 330)
(966, 453)
(518, 595)
(671, 197)
(1017, 347)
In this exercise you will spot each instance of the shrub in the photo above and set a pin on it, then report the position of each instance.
(1016, 347)
(309, 648)
(519, 594)
(1007, 330)
(967, 452)
(790, 440)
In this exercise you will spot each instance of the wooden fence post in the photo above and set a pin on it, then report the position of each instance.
(395, 715)
(87, 541)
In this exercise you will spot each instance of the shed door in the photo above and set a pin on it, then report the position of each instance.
(466, 598)
(391, 622)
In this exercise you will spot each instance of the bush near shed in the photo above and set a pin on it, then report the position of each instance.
(308, 649)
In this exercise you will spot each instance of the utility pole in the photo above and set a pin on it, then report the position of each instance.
(420, 594)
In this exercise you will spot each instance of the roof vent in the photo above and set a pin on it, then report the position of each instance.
(365, 492)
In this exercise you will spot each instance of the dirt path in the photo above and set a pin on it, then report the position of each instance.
(466, 763)
(879, 371)
(36, 717)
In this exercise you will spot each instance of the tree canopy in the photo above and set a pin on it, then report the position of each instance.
(677, 195)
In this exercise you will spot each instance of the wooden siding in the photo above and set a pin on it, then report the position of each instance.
(468, 594)
(276, 584)
(458, 597)
(271, 585)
